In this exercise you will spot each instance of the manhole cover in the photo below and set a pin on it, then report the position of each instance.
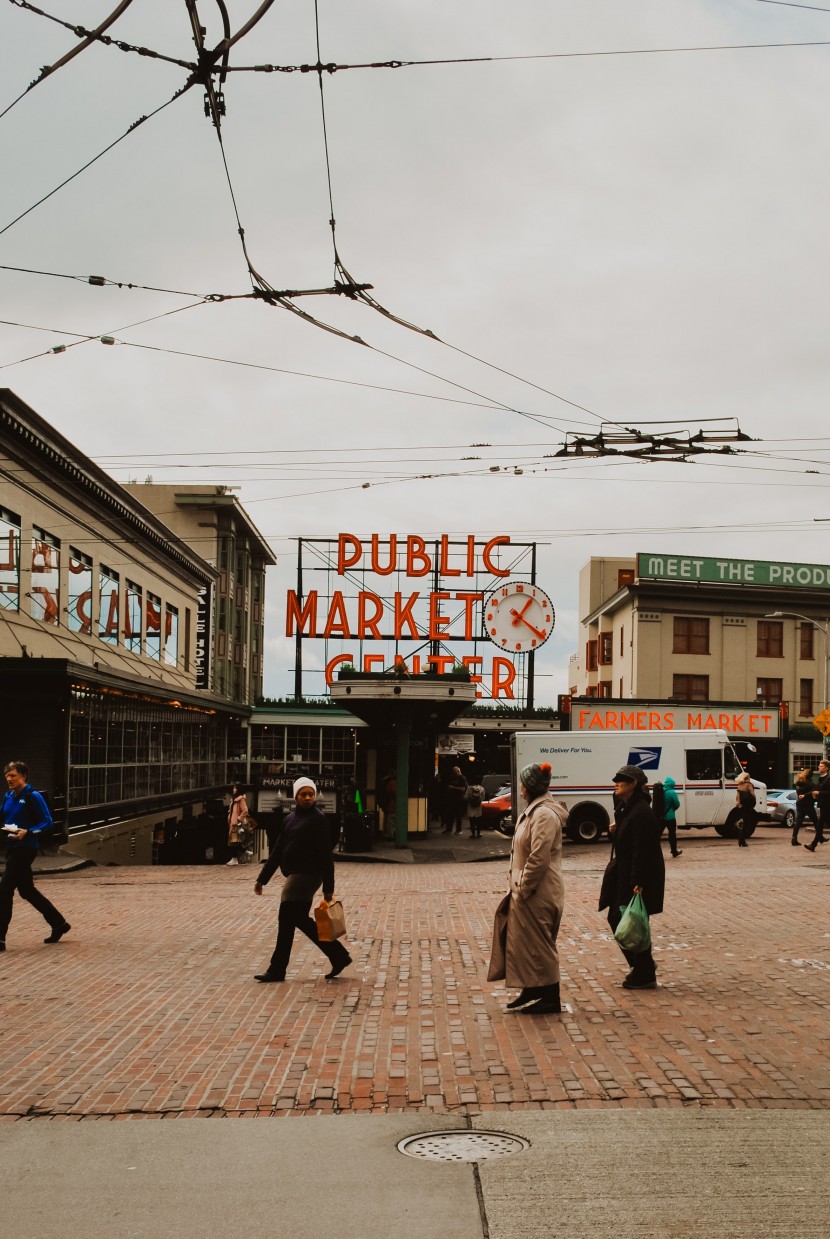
(461, 1146)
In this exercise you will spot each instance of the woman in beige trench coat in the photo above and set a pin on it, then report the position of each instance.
(527, 920)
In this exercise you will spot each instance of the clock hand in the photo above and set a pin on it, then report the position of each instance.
(519, 614)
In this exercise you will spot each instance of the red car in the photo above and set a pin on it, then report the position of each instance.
(499, 807)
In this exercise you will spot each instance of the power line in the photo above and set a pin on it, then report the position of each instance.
(135, 125)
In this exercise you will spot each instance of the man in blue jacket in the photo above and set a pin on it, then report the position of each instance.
(23, 816)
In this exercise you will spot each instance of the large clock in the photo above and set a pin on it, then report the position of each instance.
(518, 617)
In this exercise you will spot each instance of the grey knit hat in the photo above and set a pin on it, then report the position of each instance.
(631, 774)
(535, 779)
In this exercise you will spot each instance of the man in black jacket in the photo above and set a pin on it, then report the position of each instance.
(637, 865)
(303, 851)
(822, 795)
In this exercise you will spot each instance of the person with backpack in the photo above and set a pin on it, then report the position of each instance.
(475, 798)
(25, 815)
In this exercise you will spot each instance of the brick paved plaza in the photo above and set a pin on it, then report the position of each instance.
(148, 1008)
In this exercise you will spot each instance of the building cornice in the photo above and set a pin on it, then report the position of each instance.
(47, 450)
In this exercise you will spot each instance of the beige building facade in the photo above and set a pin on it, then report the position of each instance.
(696, 629)
(231, 621)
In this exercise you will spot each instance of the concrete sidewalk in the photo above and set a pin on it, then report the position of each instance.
(589, 1175)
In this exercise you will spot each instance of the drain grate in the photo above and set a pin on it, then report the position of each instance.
(461, 1146)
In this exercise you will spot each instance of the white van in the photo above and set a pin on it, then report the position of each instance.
(703, 764)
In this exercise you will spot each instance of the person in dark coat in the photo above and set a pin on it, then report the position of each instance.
(805, 805)
(822, 797)
(304, 854)
(636, 865)
(745, 800)
(456, 793)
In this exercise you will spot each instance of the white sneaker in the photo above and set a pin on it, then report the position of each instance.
(233, 861)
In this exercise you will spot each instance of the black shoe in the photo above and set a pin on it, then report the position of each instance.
(811, 847)
(58, 933)
(679, 852)
(794, 842)
(527, 995)
(742, 843)
(267, 976)
(446, 832)
(632, 982)
(545, 1006)
(338, 968)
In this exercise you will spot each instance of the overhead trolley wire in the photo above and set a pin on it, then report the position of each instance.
(332, 67)
(132, 128)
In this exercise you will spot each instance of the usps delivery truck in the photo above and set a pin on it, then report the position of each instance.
(703, 764)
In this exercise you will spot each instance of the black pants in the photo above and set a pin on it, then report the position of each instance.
(805, 811)
(294, 915)
(642, 963)
(18, 877)
(671, 827)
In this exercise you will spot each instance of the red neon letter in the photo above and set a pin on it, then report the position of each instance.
(503, 681)
(344, 560)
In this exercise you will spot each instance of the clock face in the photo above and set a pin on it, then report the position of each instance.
(518, 617)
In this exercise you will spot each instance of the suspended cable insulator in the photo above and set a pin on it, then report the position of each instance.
(107, 340)
(58, 348)
(97, 280)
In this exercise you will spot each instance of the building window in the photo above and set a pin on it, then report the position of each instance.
(44, 597)
(171, 636)
(605, 648)
(691, 636)
(690, 687)
(770, 639)
(132, 619)
(621, 688)
(79, 602)
(152, 629)
(591, 656)
(769, 690)
(9, 561)
(622, 641)
(605, 688)
(805, 698)
(108, 591)
(806, 649)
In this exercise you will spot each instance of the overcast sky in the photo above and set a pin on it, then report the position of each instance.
(644, 235)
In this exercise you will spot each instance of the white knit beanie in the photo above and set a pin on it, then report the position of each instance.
(303, 782)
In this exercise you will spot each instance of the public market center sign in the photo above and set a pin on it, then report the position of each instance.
(369, 603)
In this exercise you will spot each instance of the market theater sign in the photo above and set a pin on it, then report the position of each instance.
(449, 611)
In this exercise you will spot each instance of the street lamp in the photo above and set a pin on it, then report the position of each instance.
(825, 628)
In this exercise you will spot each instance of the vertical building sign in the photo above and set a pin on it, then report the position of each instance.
(203, 637)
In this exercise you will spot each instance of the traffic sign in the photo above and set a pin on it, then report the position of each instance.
(822, 721)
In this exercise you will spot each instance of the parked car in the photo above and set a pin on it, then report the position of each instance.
(498, 807)
(781, 806)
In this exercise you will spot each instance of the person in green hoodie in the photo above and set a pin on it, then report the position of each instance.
(672, 805)
(665, 803)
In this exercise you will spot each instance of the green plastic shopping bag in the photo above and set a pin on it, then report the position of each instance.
(633, 932)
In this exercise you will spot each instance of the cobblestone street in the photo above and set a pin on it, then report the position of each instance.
(148, 1007)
